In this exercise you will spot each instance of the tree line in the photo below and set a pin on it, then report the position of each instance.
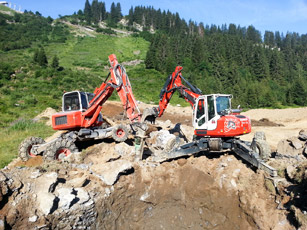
(268, 71)
(96, 12)
(22, 30)
(259, 72)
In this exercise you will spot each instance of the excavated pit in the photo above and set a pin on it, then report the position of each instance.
(188, 200)
(110, 189)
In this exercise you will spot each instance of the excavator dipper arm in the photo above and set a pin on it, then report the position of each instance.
(120, 82)
(173, 83)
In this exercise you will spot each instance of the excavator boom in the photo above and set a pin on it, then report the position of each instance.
(89, 116)
(172, 84)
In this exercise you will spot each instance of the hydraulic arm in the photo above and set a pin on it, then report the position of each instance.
(216, 125)
(85, 116)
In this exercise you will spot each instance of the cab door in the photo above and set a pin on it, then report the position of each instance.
(212, 114)
(205, 116)
(200, 113)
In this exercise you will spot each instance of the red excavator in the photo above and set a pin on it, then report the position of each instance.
(216, 124)
(82, 120)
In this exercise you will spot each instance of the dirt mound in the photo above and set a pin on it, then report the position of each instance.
(265, 122)
(46, 116)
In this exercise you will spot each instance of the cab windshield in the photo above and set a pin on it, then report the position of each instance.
(222, 104)
(71, 102)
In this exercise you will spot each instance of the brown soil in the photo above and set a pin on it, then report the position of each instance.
(115, 110)
(199, 193)
(265, 122)
(32, 162)
(205, 192)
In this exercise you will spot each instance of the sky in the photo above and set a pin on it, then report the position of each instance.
(272, 15)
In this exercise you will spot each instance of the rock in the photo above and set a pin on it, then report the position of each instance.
(236, 172)
(107, 192)
(2, 225)
(4, 189)
(46, 116)
(182, 161)
(223, 164)
(296, 143)
(43, 188)
(233, 183)
(2, 177)
(82, 195)
(35, 174)
(291, 171)
(285, 147)
(109, 172)
(167, 124)
(303, 135)
(145, 196)
(121, 149)
(33, 219)
(50, 181)
(66, 197)
(78, 182)
(15, 185)
(46, 202)
(161, 140)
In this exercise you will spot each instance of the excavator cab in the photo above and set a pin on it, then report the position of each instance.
(76, 100)
(213, 116)
(73, 104)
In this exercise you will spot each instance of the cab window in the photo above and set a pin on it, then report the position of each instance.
(83, 101)
(200, 112)
(71, 102)
(211, 109)
(222, 104)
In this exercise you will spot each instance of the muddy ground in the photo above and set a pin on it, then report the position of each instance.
(106, 187)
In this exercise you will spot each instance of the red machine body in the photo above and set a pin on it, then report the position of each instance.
(82, 110)
(212, 114)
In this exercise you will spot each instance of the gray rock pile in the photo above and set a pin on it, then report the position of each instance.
(294, 147)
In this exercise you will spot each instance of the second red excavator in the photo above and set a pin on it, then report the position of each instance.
(216, 125)
(81, 120)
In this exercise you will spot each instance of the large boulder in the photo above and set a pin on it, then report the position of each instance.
(110, 172)
(293, 147)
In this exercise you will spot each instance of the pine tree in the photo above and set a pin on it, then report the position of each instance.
(102, 10)
(95, 11)
(253, 34)
(42, 58)
(118, 12)
(55, 62)
(269, 38)
(112, 16)
(130, 16)
(35, 56)
(87, 12)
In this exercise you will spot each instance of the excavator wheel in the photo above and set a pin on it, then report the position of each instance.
(26, 146)
(60, 149)
(260, 146)
(120, 133)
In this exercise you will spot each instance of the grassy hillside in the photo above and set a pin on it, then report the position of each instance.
(27, 88)
(5, 9)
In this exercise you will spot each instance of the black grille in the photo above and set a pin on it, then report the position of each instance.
(240, 116)
(61, 120)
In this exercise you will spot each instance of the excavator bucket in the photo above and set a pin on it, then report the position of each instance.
(149, 115)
